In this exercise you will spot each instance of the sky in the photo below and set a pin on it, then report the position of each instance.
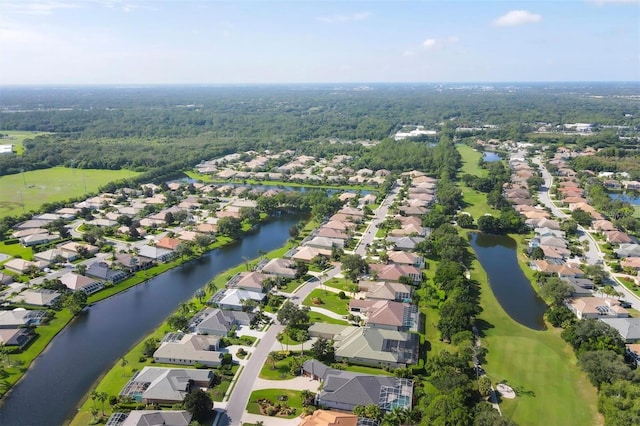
(77, 42)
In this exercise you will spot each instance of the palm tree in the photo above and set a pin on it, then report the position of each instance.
(211, 287)
(93, 395)
(102, 397)
(396, 417)
(272, 359)
(280, 338)
(123, 364)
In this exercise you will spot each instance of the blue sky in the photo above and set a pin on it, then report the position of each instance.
(229, 42)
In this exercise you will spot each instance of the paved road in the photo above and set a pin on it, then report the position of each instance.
(372, 229)
(240, 396)
(593, 254)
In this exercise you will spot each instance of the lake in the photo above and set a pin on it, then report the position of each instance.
(490, 157)
(497, 255)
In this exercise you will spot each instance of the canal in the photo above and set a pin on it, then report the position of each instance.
(498, 256)
(58, 379)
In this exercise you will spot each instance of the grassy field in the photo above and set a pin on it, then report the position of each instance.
(470, 158)
(16, 137)
(539, 365)
(293, 400)
(29, 190)
(474, 201)
(330, 301)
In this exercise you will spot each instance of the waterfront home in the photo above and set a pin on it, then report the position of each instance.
(156, 253)
(16, 336)
(102, 271)
(251, 281)
(386, 314)
(132, 263)
(158, 385)
(37, 297)
(76, 282)
(150, 418)
(334, 234)
(406, 258)
(325, 243)
(189, 349)
(280, 267)
(369, 346)
(382, 290)
(234, 299)
(404, 243)
(581, 287)
(21, 318)
(168, 243)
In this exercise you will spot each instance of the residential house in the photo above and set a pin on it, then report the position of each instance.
(233, 299)
(37, 239)
(404, 243)
(280, 267)
(633, 353)
(596, 307)
(132, 263)
(5, 278)
(617, 237)
(189, 349)
(603, 226)
(50, 256)
(102, 271)
(631, 263)
(325, 243)
(21, 318)
(307, 254)
(393, 272)
(73, 247)
(214, 321)
(251, 281)
(369, 346)
(581, 287)
(406, 258)
(623, 250)
(333, 234)
(150, 418)
(76, 282)
(629, 328)
(329, 418)
(158, 254)
(168, 243)
(382, 290)
(16, 336)
(37, 297)
(22, 266)
(158, 385)
(386, 314)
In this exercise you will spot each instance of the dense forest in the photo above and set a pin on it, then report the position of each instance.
(150, 127)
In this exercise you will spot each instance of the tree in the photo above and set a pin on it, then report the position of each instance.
(199, 404)
(484, 386)
(76, 302)
(603, 367)
(489, 224)
(581, 217)
(322, 350)
(618, 401)
(592, 335)
(178, 322)
(486, 415)
(465, 220)
(123, 364)
(81, 268)
(200, 294)
(250, 214)
(184, 249)
(301, 269)
(169, 219)
(560, 316)
(230, 226)
(596, 273)
(396, 417)
(292, 315)
(150, 346)
(271, 359)
(203, 241)
(537, 253)
(102, 397)
(556, 290)
(353, 265)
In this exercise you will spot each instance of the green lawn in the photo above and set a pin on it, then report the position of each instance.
(470, 159)
(343, 284)
(16, 250)
(294, 400)
(318, 317)
(539, 365)
(475, 203)
(282, 370)
(330, 301)
(16, 137)
(27, 191)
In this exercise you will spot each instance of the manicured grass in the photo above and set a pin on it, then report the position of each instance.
(294, 400)
(470, 159)
(318, 317)
(368, 370)
(282, 370)
(539, 365)
(16, 137)
(475, 203)
(330, 301)
(343, 284)
(27, 191)
(16, 250)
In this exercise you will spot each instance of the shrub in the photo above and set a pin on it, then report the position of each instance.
(341, 295)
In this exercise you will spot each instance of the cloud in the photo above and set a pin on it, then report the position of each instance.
(344, 18)
(37, 7)
(433, 43)
(516, 18)
(409, 52)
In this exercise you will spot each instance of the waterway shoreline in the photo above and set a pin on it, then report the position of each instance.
(8, 411)
(80, 416)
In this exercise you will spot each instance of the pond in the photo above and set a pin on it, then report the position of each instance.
(498, 256)
(490, 157)
(50, 391)
(627, 198)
